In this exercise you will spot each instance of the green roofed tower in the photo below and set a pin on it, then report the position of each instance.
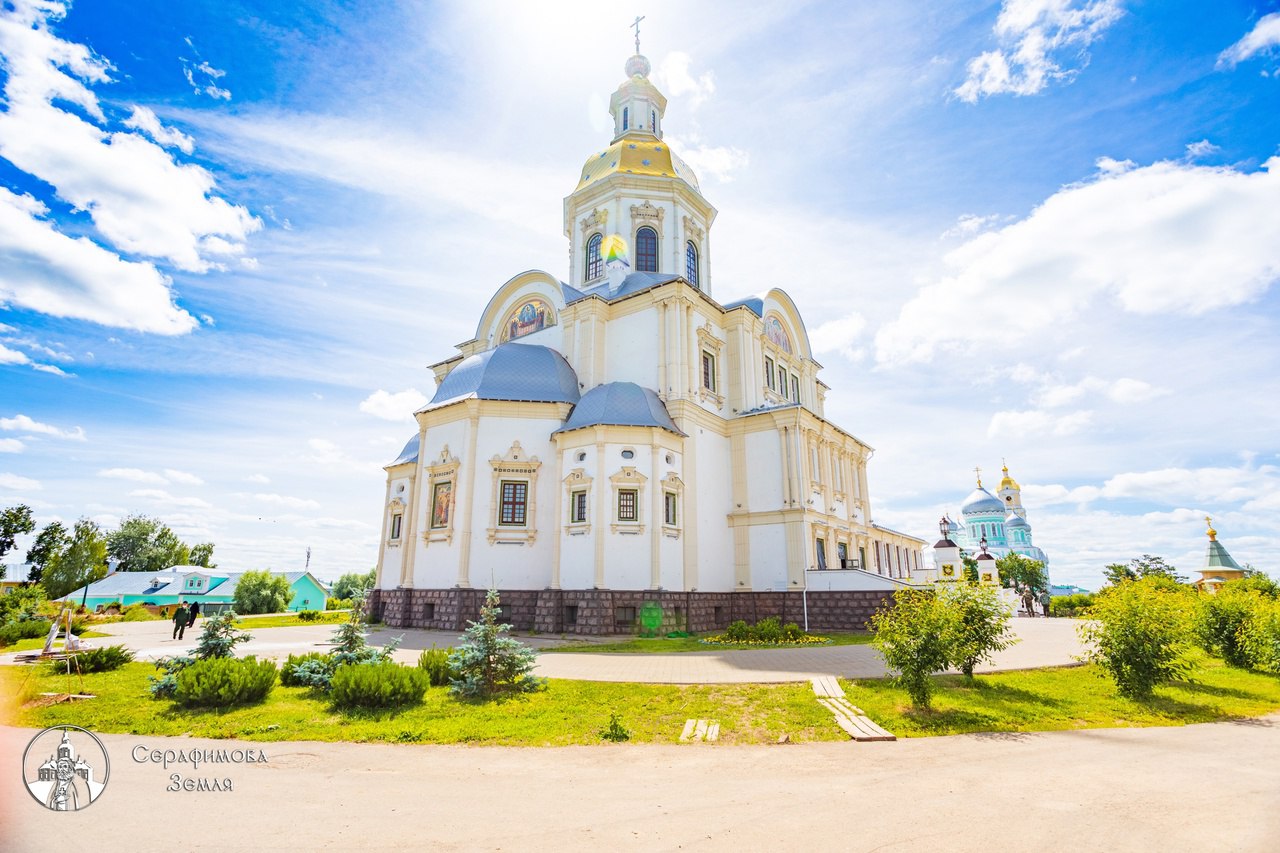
(1219, 565)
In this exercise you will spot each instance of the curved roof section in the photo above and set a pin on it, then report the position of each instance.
(518, 372)
(754, 304)
(632, 283)
(1015, 520)
(637, 154)
(620, 404)
(982, 502)
(410, 452)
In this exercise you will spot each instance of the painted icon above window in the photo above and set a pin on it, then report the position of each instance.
(776, 332)
(532, 316)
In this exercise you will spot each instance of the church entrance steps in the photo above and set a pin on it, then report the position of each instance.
(703, 730)
(848, 716)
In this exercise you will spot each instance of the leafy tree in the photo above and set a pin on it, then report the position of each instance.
(202, 555)
(14, 522)
(353, 584)
(981, 625)
(50, 542)
(970, 568)
(1020, 572)
(1145, 566)
(1139, 633)
(262, 592)
(488, 663)
(914, 634)
(83, 561)
(167, 550)
(143, 544)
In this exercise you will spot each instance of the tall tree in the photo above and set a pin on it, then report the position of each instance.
(83, 561)
(50, 542)
(1020, 572)
(354, 584)
(14, 522)
(143, 544)
(1145, 566)
(202, 555)
(262, 592)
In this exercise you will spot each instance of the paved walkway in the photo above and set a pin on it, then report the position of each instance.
(1043, 642)
(1195, 788)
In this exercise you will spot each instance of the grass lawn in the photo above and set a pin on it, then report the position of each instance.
(1067, 698)
(38, 642)
(286, 620)
(667, 645)
(568, 712)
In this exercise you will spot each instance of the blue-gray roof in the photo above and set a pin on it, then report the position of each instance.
(519, 372)
(620, 404)
(754, 304)
(1016, 520)
(169, 583)
(410, 452)
(633, 283)
(981, 502)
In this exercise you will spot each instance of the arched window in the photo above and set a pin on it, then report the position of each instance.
(691, 263)
(626, 118)
(646, 250)
(595, 263)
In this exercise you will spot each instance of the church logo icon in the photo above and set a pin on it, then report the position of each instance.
(65, 768)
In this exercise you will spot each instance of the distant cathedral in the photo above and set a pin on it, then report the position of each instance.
(1001, 519)
(622, 438)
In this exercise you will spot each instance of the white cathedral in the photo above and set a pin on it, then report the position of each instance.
(625, 439)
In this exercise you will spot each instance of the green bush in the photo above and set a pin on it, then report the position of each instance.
(308, 615)
(791, 632)
(1221, 619)
(95, 660)
(615, 732)
(25, 630)
(289, 676)
(139, 613)
(488, 663)
(980, 626)
(378, 685)
(338, 604)
(435, 663)
(1260, 637)
(262, 592)
(738, 631)
(1076, 604)
(914, 633)
(223, 682)
(1140, 633)
(768, 630)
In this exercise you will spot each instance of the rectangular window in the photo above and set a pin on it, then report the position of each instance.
(822, 554)
(515, 496)
(669, 505)
(396, 521)
(708, 371)
(815, 467)
(578, 507)
(795, 388)
(570, 614)
(842, 554)
(768, 372)
(429, 610)
(624, 618)
(782, 380)
(862, 557)
(627, 505)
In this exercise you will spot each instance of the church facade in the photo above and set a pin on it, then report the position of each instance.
(1000, 519)
(623, 438)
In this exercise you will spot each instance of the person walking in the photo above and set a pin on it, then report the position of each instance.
(195, 611)
(180, 621)
(1045, 600)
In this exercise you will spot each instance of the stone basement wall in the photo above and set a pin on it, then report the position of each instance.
(597, 611)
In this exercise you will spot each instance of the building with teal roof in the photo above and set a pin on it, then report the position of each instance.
(214, 589)
(1219, 566)
(999, 518)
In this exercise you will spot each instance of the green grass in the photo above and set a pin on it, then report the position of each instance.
(1067, 698)
(568, 712)
(327, 617)
(667, 645)
(35, 643)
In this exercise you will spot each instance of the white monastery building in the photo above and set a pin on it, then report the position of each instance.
(624, 439)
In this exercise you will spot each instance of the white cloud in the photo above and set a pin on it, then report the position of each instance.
(13, 356)
(136, 475)
(287, 501)
(161, 496)
(257, 478)
(1122, 390)
(1148, 238)
(17, 484)
(183, 477)
(1257, 487)
(1037, 422)
(969, 224)
(672, 77)
(1264, 36)
(719, 161)
(840, 335)
(146, 121)
(1033, 34)
(393, 407)
(1203, 148)
(11, 445)
(22, 423)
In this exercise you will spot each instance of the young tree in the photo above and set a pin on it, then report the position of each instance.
(354, 584)
(262, 592)
(914, 634)
(488, 663)
(14, 522)
(83, 561)
(50, 542)
(981, 625)
(1139, 633)
(1145, 566)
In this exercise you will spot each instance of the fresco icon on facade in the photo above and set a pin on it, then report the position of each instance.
(532, 316)
(441, 504)
(776, 332)
(74, 773)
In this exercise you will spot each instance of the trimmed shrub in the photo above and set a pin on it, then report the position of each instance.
(1140, 633)
(26, 630)
(378, 685)
(95, 660)
(435, 663)
(222, 682)
(914, 633)
(289, 671)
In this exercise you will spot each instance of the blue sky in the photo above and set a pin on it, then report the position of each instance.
(233, 235)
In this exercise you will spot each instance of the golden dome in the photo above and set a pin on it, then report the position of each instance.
(1008, 482)
(636, 154)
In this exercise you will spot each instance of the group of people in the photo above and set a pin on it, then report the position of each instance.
(184, 618)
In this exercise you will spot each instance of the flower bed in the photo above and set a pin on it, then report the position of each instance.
(803, 640)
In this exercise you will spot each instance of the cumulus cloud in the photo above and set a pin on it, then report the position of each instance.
(1264, 36)
(146, 121)
(969, 224)
(672, 76)
(1203, 148)
(11, 445)
(287, 501)
(257, 478)
(1123, 390)
(14, 483)
(136, 475)
(393, 407)
(1258, 487)
(1147, 239)
(22, 423)
(161, 496)
(1034, 37)
(183, 477)
(841, 335)
(719, 161)
(1018, 424)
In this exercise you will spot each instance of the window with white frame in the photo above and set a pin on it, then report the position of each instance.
(628, 505)
(578, 507)
(515, 503)
(396, 521)
(669, 506)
